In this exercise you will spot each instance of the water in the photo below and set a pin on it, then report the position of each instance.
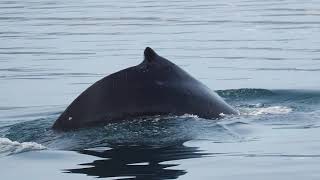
(262, 57)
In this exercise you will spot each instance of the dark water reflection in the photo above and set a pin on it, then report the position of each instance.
(138, 162)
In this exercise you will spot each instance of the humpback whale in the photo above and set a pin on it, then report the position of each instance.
(154, 87)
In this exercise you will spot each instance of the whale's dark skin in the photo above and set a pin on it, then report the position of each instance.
(154, 87)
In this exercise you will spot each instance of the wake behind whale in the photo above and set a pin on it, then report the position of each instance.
(154, 87)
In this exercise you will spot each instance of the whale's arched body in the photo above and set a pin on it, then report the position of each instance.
(154, 87)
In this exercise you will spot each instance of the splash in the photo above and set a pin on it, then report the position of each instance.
(268, 110)
(8, 147)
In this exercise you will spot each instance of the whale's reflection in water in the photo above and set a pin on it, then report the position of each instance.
(138, 162)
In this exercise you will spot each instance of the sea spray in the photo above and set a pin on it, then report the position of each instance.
(8, 147)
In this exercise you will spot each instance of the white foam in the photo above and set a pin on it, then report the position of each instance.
(189, 116)
(159, 117)
(8, 147)
(222, 115)
(269, 110)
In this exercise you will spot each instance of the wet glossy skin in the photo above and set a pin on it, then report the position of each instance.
(154, 87)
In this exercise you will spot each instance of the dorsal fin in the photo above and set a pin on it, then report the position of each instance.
(149, 54)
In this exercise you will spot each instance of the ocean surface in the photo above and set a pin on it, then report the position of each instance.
(262, 57)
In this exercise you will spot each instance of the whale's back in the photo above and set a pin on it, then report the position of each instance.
(154, 87)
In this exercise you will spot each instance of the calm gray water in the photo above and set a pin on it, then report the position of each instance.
(263, 57)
